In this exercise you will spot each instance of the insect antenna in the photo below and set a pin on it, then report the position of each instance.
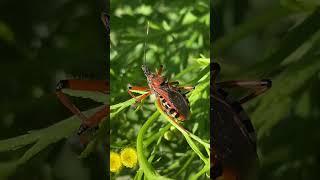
(145, 45)
(144, 66)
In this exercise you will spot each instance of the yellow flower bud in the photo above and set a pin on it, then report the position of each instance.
(129, 157)
(115, 162)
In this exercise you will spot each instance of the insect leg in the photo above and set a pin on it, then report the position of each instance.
(187, 88)
(184, 89)
(67, 103)
(139, 99)
(174, 83)
(160, 70)
(137, 88)
(143, 96)
(258, 87)
(88, 85)
(94, 120)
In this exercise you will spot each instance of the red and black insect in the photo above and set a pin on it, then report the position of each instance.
(170, 96)
(86, 85)
(233, 138)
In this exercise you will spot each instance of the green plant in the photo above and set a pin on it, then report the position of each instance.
(280, 42)
(178, 35)
(38, 140)
(149, 142)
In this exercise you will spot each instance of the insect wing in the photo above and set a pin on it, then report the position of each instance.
(231, 141)
(180, 102)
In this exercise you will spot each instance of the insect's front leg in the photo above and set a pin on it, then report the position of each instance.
(258, 87)
(138, 88)
(87, 85)
(186, 88)
(94, 120)
(140, 98)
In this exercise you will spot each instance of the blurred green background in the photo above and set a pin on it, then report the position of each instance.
(279, 40)
(42, 42)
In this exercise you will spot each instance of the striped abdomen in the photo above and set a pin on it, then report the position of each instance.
(175, 104)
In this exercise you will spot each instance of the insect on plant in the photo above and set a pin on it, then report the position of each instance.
(173, 104)
(85, 85)
(233, 149)
(171, 97)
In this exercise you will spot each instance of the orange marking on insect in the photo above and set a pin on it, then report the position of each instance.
(172, 101)
(86, 85)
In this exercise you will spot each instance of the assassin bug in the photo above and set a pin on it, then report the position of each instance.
(85, 85)
(169, 95)
(233, 153)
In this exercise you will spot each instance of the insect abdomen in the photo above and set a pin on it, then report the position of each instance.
(171, 111)
(237, 108)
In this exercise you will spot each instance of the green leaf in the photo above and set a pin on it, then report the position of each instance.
(40, 139)
(95, 96)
